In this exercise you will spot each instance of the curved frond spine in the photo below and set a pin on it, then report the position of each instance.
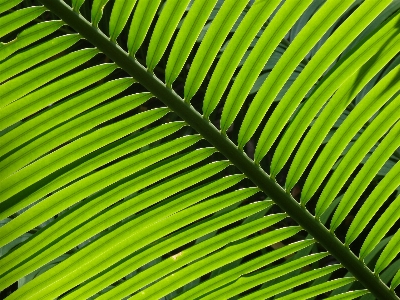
(167, 22)
(212, 42)
(311, 33)
(230, 59)
(281, 23)
(338, 75)
(225, 146)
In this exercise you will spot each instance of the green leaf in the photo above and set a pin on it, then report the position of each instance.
(381, 227)
(119, 17)
(353, 123)
(220, 258)
(303, 43)
(74, 193)
(389, 253)
(165, 27)
(320, 289)
(210, 45)
(215, 284)
(364, 177)
(114, 190)
(370, 207)
(23, 16)
(18, 87)
(186, 38)
(233, 53)
(27, 37)
(141, 21)
(345, 68)
(8, 4)
(349, 295)
(35, 55)
(270, 39)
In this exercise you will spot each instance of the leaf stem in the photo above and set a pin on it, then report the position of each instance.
(302, 216)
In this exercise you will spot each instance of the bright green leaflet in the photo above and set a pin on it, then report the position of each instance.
(39, 245)
(293, 282)
(109, 198)
(168, 243)
(234, 274)
(24, 107)
(211, 43)
(327, 119)
(270, 39)
(354, 60)
(119, 17)
(211, 262)
(7, 4)
(18, 87)
(97, 11)
(186, 38)
(360, 115)
(302, 44)
(19, 18)
(62, 113)
(385, 222)
(349, 295)
(166, 24)
(232, 55)
(141, 21)
(370, 207)
(319, 289)
(370, 169)
(29, 36)
(29, 58)
(70, 195)
(389, 253)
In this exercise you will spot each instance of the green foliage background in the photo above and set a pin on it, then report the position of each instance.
(114, 196)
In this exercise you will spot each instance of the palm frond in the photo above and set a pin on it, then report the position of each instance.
(107, 193)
